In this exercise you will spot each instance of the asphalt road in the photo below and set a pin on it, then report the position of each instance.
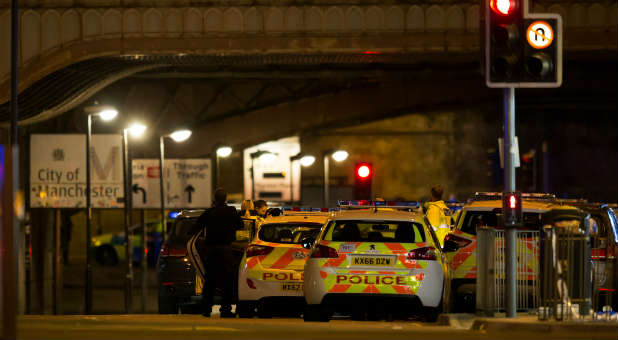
(197, 327)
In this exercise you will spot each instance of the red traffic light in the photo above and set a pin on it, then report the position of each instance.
(513, 201)
(503, 7)
(363, 170)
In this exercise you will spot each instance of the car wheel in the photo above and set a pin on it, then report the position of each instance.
(315, 313)
(263, 311)
(431, 313)
(168, 305)
(245, 309)
(106, 256)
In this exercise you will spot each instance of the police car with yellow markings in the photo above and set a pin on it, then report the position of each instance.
(484, 210)
(372, 258)
(271, 276)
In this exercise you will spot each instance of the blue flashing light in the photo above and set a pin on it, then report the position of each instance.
(173, 214)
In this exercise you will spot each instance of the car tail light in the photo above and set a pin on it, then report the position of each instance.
(598, 253)
(257, 250)
(166, 250)
(322, 251)
(460, 241)
(251, 284)
(424, 253)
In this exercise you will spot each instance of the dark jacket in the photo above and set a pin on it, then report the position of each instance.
(220, 223)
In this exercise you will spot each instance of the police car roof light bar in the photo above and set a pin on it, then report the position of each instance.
(491, 196)
(377, 204)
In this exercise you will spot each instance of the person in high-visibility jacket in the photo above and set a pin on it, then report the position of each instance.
(438, 213)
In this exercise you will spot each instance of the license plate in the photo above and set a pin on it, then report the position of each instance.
(199, 285)
(373, 261)
(291, 287)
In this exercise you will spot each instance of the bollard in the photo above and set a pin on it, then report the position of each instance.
(485, 272)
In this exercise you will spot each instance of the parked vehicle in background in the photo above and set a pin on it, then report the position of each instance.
(109, 248)
(176, 274)
(485, 210)
(271, 270)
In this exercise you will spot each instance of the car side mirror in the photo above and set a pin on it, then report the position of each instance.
(307, 242)
(450, 246)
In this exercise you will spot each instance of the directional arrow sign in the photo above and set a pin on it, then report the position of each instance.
(189, 189)
(187, 183)
(136, 188)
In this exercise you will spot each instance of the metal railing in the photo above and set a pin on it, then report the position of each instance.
(566, 269)
(491, 271)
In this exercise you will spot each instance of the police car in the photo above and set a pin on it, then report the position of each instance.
(485, 209)
(270, 276)
(372, 257)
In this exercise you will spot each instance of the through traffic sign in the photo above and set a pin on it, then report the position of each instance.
(539, 34)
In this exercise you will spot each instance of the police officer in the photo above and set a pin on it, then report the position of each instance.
(438, 213)
(221, 223)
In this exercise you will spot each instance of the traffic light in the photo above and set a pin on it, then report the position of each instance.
(511, 207)
(521, 49)
(364, 174)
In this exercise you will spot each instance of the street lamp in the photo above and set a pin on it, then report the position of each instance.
(305, 160)
(221, 152)
(135, 130)
(338, 156)
(177, 136)
(264, 157)
(105, 114)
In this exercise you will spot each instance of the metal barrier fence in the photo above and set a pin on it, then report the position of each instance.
(491, 271)
(566, 269)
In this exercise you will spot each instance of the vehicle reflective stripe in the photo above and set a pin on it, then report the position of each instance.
(370, 289)
(339, 288)
(252, 262)
(323, 274)
(285, 259)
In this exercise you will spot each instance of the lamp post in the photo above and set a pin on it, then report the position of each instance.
(222, 152)
(265, 156)
(177, 136)
(106, 114)
(305, 160)
(338, 156)
(135, 130)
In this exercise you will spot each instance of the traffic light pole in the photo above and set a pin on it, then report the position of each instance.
(510, 233)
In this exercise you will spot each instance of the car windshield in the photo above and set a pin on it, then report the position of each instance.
(475, 219)
(375, 231)
(180, 232)
(291, 233)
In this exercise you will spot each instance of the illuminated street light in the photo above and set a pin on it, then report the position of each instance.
(338, 156)
(180, 135)
(305, 160)
(106, 114)
(137, 130)
(177, 136)
(224, 151)
(221, 152)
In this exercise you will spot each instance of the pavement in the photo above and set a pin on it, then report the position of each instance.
(155, 326)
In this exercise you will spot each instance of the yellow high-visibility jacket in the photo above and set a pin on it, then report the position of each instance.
(438, 215)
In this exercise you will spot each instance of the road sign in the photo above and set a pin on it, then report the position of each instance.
(187, 183)
(58, 171)
(540, 34)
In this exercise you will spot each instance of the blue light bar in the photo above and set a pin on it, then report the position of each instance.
(382, 204)
(173, 214)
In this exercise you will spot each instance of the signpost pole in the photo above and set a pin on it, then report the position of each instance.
(161, 159)
(144, 259)
(509, 186)
(88, 283)
(128, 298)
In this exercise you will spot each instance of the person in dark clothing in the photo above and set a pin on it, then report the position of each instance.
(65, 234)
(221, 223)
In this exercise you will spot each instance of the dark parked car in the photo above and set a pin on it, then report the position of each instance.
(177, 280)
